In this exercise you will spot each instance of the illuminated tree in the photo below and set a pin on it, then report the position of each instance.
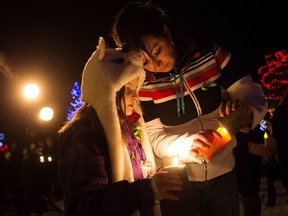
(76, 102)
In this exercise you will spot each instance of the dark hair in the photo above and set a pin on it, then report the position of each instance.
(86, 113)
(136, 20)
(122, 113)
(119, 97)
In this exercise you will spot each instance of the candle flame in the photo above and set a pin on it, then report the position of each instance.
(175, 160)
(265, 135)
(224, 133)
(224, 130)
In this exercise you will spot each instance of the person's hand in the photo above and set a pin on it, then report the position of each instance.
(230, 106)
(168, 183)
(202, 140)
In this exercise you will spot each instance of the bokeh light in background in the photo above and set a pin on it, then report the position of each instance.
(31, 91)
(46, 114)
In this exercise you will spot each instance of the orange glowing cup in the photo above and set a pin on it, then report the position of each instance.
(216, 144)
(229, 125)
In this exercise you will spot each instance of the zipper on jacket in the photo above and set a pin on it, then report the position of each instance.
(206, 170)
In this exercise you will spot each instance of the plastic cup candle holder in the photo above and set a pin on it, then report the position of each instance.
(216, 144)
(173, 165)
(229, 125)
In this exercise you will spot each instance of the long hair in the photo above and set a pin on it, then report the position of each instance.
(85, 112)
(124, 120)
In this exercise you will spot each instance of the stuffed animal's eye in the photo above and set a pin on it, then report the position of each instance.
(117, 60)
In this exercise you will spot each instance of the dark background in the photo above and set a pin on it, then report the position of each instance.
(49, 42)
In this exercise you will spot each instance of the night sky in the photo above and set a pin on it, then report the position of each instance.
(51, 42)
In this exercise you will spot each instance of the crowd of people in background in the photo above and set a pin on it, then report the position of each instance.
(269, 162)
(29, 178)
(279, 123)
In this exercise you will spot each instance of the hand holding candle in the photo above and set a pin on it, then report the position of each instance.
(229, 125)
(173, 165)
(216, 144)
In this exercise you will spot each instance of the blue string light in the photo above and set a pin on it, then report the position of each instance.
(76, 102)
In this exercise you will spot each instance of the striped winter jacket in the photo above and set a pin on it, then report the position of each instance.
(178, 104)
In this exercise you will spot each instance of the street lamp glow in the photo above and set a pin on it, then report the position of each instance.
(46, 114)
(31, 91)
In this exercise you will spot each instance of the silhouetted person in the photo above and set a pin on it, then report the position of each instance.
(271, 167)
(279, 123)
(49, 168)
(34, 202)
(4, 201)
(15, 169)
(249, 169)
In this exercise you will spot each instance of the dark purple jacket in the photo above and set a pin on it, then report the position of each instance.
(85, 175)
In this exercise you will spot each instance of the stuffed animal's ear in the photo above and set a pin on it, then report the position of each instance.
(100, 52)
(90, 73)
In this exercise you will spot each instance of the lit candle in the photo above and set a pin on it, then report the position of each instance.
(171, 161)
(173, 165)
(265, 139)
(229, 125)
(216, 144)
(226, 137)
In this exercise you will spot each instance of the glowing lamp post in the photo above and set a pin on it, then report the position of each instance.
(46, 114)
(31, 92)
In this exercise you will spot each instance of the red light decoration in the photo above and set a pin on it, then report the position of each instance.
(274, 76)
(3, 147)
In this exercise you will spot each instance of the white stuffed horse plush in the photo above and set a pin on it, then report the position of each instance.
(106, 71)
